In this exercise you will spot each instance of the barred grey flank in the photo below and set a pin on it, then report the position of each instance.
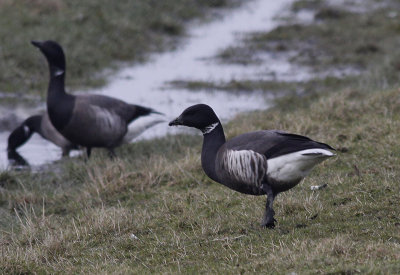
(245, 166)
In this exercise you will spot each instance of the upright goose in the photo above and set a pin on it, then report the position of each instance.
(38, 124)
(257, 163)
(86, 120)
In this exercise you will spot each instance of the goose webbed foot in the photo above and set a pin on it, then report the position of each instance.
(268, 221)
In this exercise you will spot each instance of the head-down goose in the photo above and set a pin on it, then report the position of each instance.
(38, 124)
(87, 120)
(257, 163)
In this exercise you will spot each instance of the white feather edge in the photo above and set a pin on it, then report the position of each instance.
(58, 72)
(210, 128)
(297, 165)
(26, 130)
(239, 165)
(104, 117)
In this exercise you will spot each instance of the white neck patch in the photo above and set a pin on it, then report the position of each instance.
(26, 130)
(58, 72)
(210, 128)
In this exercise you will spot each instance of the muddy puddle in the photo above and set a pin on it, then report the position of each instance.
(147, 84)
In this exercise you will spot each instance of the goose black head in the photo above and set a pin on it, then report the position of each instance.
(200, 116)
(23, 132)
(18, 137)
(54, 55)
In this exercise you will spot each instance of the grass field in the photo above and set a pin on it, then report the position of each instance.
(153, 210)
(96, 35)
(80, 217)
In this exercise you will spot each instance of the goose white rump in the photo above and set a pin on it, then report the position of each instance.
(297, 165)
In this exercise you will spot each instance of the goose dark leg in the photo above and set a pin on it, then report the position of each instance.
(65, 152)
(88, 151)
(111, 153)
(268, 220)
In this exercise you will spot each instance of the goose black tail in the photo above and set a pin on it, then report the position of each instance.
(144, 111)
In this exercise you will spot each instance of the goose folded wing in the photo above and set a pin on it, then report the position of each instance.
(94, 125)
(126, 111)
(273, 143)
(290, 143)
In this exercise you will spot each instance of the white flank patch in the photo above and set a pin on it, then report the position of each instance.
(245, 165)
(210, 128)
(297, 165)
(26, 130)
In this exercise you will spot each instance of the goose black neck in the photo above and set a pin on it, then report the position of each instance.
(59, 103)
(22, 133)
(211, 143)
(57, 80)
(34, 123)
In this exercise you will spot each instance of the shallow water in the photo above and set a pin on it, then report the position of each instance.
(146, 84)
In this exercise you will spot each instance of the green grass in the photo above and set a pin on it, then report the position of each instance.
(79, 217)
(96, 35)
